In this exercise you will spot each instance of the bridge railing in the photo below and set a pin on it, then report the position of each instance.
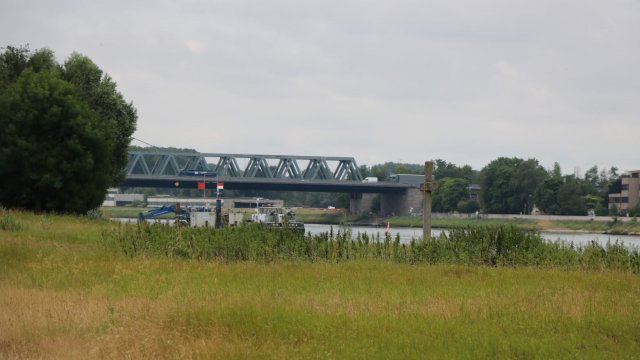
(258, 166)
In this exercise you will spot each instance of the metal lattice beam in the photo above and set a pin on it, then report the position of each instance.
(258, 167)
(346, 170)
(288, 168)
(228, 166)
(193, 162)
(137, 165)
(318, 169)
(166, 163)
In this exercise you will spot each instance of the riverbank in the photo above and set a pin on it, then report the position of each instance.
(602, 225)
(542, 223)
(613, 226)
(65, 293)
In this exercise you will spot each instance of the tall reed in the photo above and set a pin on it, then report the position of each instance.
(471, 245)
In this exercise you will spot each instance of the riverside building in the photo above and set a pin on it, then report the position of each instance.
(629, 197)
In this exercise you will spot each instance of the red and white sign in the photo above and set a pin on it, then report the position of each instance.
(220, 186)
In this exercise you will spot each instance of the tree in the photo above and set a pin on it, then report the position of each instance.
(66, 130)
(443, 169)
(556, 171)
(592, 177)
(384, 171)
(595, 203)
(12, 62)
(468, 206)
(99, 91)
(600, 185)
(507, 184)
(546, 195)
(449, 193)
(55, 153)
(568, 195)
(365, 171)
(571, 199)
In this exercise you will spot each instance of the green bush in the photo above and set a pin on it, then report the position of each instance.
(9, 223)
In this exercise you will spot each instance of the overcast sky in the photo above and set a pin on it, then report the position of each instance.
(409, 81)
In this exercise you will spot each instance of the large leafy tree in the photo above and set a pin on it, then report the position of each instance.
(546, 196)
(99, 91)
(444, 169)
(572, 196)
(64, 141)
(449, 193)
(508, 184)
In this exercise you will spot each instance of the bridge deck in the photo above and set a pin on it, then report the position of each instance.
(234, 183)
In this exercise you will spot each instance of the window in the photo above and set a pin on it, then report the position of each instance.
(635, 175)
(625, 187)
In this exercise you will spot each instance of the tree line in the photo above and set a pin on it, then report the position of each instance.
(514, 186)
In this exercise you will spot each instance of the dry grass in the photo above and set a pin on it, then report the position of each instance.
(236, 313)
(62, 295)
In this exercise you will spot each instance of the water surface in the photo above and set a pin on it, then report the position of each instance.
(406, 234)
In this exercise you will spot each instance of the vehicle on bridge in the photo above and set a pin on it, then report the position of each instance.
(208, 173)
(409, 179)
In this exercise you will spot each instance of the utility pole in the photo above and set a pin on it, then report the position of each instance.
(428, 187)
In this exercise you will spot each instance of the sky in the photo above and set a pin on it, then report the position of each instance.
(403, 81)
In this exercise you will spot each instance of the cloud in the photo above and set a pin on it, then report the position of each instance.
(194, 46)
(465, 81)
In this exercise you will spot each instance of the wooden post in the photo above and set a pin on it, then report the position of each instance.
(426, 199)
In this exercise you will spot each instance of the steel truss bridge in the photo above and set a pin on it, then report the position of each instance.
(257, 166)
(262, 172)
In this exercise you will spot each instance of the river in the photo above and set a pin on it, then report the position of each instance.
(406, 234)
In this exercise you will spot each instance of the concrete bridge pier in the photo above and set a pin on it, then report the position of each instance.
(391, 204)
(361, 203)
(401, 203)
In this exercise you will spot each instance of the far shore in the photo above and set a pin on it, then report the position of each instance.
(556, 223)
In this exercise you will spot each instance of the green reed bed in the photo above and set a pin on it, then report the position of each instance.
(470, 245)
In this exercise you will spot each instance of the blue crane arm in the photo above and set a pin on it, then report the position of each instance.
(158, 212)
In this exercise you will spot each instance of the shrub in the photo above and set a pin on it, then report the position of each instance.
(8, 222)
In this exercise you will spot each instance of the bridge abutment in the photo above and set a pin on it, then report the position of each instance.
(402, 203)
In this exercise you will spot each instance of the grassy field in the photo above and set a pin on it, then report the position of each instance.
(66, 293)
